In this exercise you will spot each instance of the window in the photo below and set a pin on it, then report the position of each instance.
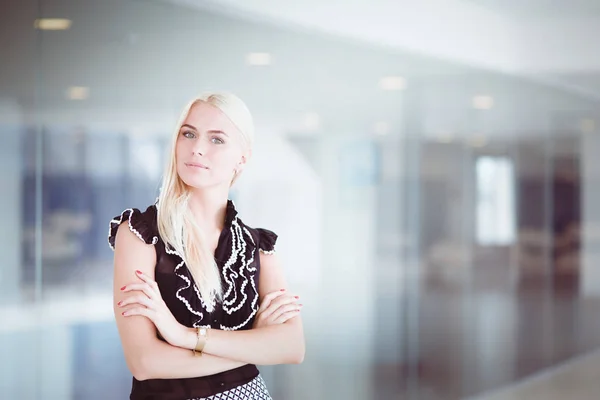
(495, 201)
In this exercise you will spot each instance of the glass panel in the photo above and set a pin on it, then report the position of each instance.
(495, 201)
(439, 221)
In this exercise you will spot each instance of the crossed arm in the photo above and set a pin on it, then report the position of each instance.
(150, 358)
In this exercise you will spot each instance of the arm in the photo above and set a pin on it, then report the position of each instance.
(274, 344)
(148, 357)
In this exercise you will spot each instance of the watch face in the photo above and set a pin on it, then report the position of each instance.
(202, 331)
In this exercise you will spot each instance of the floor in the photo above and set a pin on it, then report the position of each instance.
(577, 379)
(479, 346)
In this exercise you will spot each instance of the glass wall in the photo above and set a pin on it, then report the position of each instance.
(438, 221)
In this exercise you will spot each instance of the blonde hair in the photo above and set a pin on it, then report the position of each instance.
(176, 224)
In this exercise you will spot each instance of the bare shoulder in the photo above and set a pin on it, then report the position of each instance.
(271, 276)
(269, 260)
(131, 253)
(128, 240)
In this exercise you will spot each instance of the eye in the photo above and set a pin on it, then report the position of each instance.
(188, 134)
(217, 140)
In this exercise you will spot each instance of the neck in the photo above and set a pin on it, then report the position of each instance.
(209, 208)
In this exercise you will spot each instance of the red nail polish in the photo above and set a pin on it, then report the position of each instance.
(282, 290)
(123, 288)
(123, 313)
(119, 303)
(297, 297)
(138, 272)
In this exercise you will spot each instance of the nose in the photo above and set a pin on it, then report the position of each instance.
(198, 148)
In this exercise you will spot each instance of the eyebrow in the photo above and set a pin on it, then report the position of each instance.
(210, 131)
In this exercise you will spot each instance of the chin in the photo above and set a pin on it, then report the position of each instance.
(196, 183)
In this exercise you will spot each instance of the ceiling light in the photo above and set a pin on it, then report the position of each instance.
(258, 59)
(483, 102)
(381, 128)
(445, 138)
(478, 141)
(312, 121)
(52, 24)
(392, 83)
(78, 93)
(587, 125)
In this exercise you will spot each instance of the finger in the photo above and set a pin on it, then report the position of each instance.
(151, 282)
(283, 300)
(143, 311)
(286, 316)
(284, 309)
(269, 298)
(279, 302)
(138, 299)
(142, 287)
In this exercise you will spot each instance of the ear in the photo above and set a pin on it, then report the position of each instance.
(244, 160)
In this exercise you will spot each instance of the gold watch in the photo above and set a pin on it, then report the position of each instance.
(202, 337)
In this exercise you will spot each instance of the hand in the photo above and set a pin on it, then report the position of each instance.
(276, 308)
(149, 303)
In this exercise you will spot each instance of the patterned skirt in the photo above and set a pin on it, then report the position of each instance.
(253, 390)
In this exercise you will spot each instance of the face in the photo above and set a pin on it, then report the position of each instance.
(209, 148)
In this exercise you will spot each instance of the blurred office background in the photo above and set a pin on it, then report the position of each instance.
(432, 168)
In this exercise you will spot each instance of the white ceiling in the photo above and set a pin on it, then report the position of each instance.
(446, 29)
(549, 38)
(144, 59)
(543, 8)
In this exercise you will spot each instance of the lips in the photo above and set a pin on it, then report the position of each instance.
(196, 165)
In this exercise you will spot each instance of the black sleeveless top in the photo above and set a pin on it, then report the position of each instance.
(237, 256)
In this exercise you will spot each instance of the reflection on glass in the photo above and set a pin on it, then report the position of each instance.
(496, 214)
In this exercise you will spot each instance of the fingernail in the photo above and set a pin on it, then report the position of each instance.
(282, 290)
(138, 272)
(119, 303)
(123, 313)
(296, 297)
(123, 288)
(300, 305)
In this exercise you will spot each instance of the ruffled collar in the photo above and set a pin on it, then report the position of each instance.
(230, 214)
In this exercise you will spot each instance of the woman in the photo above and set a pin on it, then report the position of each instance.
(200, 297)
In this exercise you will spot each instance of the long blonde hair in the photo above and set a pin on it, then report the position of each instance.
(176, 224)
